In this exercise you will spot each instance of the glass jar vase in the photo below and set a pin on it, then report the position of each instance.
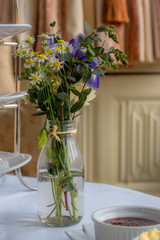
(60, 173)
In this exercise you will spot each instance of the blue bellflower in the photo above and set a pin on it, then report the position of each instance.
(94, 81)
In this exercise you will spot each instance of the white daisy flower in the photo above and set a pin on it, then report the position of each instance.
(68, 47)
(41, 57)
(26, 99)
(29, 63)
(32, 54)
(35, 78)
(57, 65)
(58, 48)
(29, 39)
(45, 36)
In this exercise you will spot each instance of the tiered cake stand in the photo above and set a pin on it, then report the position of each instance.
(16, 160)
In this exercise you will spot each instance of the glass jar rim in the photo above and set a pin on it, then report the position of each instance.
(65, 125)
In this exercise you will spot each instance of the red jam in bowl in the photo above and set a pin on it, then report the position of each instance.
(131, 221)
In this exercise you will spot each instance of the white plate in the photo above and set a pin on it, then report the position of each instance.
(10, 30)
(12, 161)
(8, 98)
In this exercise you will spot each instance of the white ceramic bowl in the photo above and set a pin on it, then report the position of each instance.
(105, 231)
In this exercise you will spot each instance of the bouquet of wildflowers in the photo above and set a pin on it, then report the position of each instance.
(62, 79)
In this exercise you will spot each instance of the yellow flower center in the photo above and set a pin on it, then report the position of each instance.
(49, 50)
(84, 50)
(63, 48)
(41, 56)
(32, 53)
(60, 41)
(57, 64)
(29, 62)
(58, 49)
(35, 78)
(24, 50)
(29, 38)
(27, 98)
(44, 35)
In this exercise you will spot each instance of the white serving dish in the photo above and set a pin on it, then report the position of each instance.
(10, 97)
(105, 231)
(12, 161)
(11, 30)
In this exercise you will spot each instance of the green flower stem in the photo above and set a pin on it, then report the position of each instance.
(72, 193)
(51, 212)
(74, 205)
(56, 198)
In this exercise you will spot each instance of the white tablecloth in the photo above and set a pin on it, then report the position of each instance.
(18, 208)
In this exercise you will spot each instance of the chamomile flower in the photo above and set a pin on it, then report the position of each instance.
(58, 48)
(35, 78)
(29, 63)
(41, 57)
(45, 36)
(49, 52)
(29, 39)
(68, 47)
(22, 49)
(33, 54)
(57, 65)
(26, 99)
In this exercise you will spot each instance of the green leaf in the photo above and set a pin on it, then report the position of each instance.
(71, 78)
(53, 24)
(89, 56)
(111, 26)
(115, 38)
(86, 75)
(91, 51)
(42, 138)
(62, 95)
(98, 50)
(71, 104)
(67, 184)
(79, 104)
(23, 78)
(98, 72)
(80, 39)
(77, 174)
(77, 76)
(75, 92)
(111, 49)
(101, 28)
(105, 57)
(87, 28)
(67, 57)
(87, 91)
(97, 39)
(39, 114)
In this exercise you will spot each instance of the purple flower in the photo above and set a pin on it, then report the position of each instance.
(74, 42)
(94, 81)
(51, 43)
